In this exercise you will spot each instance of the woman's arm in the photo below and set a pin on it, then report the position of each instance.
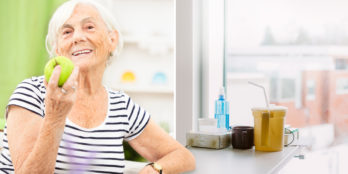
(33, 140)
(157, 146)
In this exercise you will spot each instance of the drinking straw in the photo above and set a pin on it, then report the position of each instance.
(264, 92)
(265, 118)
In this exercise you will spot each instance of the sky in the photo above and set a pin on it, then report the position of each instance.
(247, 19)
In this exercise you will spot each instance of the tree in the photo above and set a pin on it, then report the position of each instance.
(268, 38)
(302, 37)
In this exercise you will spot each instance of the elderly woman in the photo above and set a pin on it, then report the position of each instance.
(81, 129)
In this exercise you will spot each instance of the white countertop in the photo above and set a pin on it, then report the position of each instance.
(249, 161)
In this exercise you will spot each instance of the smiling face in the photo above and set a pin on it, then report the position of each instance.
(85, 39)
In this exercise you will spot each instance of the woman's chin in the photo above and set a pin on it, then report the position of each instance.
(86, 62)
(85, 66)
(79, 60)
(81, 57)
(82, 64)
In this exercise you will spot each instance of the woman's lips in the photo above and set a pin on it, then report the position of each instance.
(80, 52)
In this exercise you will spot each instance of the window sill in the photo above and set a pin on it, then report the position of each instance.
(230, 160)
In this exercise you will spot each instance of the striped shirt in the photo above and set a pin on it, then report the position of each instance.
(82, 150)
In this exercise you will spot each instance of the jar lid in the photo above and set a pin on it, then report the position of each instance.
(272, 108)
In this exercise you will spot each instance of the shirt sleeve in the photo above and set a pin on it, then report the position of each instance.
(137, 119)
(27, 95)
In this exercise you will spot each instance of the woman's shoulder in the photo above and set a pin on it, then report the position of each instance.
(118, 94)
(35, 83)
(30, 94)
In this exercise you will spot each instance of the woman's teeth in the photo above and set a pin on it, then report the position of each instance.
(81, 52)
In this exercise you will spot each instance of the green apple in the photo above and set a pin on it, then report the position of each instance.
(66, 65)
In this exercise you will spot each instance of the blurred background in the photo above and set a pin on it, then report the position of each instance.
(22, 43)
(297, 49)
(144, 70)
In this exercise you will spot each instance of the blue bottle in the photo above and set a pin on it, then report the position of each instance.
(222, 111)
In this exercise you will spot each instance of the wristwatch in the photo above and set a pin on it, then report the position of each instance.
(156, 166)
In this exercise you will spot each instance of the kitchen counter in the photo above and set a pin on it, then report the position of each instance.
(249, 161)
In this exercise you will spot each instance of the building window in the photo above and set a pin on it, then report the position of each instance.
(310, 90)
(287, 89)
(282, 89)
(342, 86)
(341, 64)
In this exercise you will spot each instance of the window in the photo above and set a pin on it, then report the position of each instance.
(310, 90)
(292, 48)
(342, 86)
(287, 88)
(301, 61)
(274, 43)
(282, 89)
(341, 64)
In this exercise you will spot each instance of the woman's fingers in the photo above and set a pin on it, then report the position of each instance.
(53, 82)
(74, 75)
(45, 82)
(70, 84)
(59, 101)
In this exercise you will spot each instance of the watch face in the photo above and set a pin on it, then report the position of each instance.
(157, 166)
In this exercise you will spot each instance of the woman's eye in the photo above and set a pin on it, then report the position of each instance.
(66, 32)
(90, 27)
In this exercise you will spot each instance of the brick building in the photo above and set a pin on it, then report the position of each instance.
(311, 81)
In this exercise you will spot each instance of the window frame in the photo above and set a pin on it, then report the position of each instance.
(199, 69)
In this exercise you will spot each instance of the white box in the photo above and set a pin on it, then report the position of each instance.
(208, 140)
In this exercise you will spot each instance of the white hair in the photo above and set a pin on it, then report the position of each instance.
(63, 13)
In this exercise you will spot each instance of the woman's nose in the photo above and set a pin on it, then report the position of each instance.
(79, 36)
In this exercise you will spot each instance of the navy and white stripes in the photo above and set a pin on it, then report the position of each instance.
(81, 150)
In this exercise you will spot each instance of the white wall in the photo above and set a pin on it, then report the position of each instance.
(148, 30)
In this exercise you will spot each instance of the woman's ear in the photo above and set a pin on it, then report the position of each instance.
(113, 36)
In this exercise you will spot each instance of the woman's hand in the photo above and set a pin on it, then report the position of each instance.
(156, 145)
(59, 101)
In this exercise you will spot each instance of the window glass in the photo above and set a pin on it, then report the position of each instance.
(342, 86)
(298, 50)
(310, 90)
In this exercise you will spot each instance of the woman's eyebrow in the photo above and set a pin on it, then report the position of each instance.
(88, 19)
(66, 26)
